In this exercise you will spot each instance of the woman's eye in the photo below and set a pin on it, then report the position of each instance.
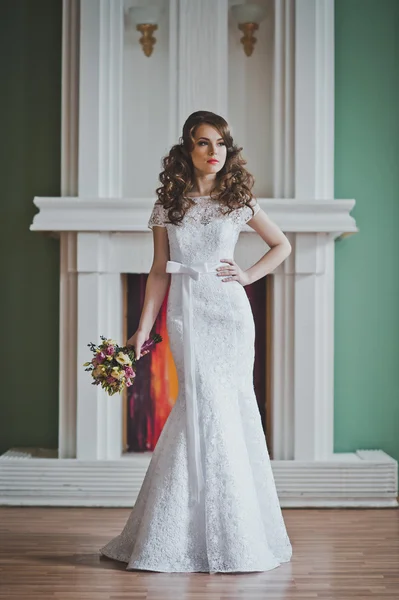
(202, 143)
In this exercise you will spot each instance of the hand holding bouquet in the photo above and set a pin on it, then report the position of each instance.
(113, 366)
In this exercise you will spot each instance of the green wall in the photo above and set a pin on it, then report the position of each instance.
(367, 264)
(30, 100)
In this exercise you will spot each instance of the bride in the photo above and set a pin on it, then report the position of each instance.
(208, 502)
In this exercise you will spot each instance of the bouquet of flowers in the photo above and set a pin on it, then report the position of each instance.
(113, 366)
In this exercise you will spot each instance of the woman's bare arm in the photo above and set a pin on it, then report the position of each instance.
(157, 285)
(279, 246)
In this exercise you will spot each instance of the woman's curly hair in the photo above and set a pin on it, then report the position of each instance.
(233, 182)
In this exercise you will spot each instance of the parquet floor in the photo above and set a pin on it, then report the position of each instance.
(338, 554)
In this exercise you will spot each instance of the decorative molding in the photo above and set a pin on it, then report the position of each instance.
(325, 364)
(174, 116)
(131, 214)
(354, 480)
(282, 363)
(101, 95)
(100, 312)
(302, 405)
(69, 187)
(202, 42)
(283, 99)
(70, 97)
(68, 341)
(314, 99)
(325, 67)
(313, 294)
(98, 423)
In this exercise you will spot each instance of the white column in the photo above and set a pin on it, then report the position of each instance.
(282, 367)
(310, 393)
(314, 253)
(68, 351)
(199, 58)
(314, 99)
(100, 109)
(283, 99)
(99, 295)
(69, 187)
(282, 375)
(100, 312)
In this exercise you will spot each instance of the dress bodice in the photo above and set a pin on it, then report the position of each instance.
(205, 234)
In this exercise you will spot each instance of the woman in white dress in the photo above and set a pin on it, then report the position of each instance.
(208, 502)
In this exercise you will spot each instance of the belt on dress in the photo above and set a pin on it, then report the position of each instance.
(189, 272)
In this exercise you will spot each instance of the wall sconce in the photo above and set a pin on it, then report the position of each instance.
(146, 19)
(248, 17)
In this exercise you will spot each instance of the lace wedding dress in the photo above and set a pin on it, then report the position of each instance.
(208, 501)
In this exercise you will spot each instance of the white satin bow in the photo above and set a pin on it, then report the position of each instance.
(195, 467)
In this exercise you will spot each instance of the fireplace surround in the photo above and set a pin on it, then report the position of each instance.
(101, 220)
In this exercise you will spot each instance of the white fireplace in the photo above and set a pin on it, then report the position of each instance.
(281, 106)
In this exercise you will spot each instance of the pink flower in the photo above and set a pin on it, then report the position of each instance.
(110, 379)
(129, 382)
(109, 350)
(129, 372)
(98, 359)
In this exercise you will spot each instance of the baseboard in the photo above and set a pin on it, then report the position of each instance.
(35, 477)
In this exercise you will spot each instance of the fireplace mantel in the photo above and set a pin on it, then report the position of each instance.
(131, 214)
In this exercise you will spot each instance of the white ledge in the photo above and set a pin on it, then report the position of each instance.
(132, 214)
(344, 480)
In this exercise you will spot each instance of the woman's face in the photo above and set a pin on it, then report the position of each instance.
(209, 152)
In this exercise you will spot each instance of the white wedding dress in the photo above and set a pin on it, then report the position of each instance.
(208, 501)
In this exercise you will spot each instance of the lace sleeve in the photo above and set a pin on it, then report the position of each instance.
(157, 216)
(247, 212)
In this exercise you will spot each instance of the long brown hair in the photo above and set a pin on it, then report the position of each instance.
(233, 182)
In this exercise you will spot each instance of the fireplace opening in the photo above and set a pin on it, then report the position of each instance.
(147, 403)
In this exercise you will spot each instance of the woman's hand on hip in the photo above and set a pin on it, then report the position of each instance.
(232, 272)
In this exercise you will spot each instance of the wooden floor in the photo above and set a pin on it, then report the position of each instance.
(53, 553)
